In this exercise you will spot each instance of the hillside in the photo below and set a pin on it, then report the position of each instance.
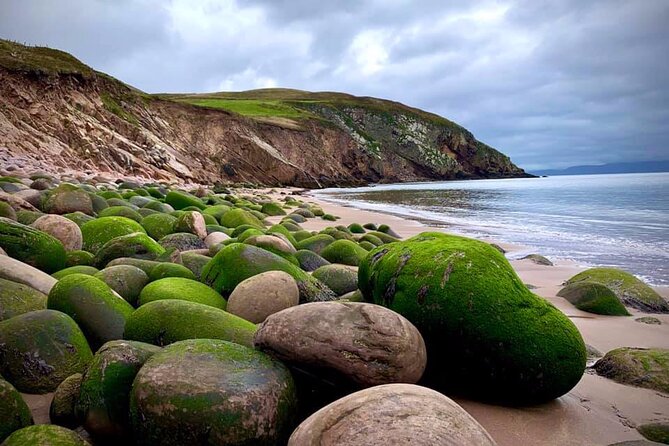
(56, 112)
(636, 167)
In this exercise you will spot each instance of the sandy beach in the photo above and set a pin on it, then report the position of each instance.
(598, 411)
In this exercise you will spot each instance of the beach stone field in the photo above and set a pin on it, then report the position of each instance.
(158, 314)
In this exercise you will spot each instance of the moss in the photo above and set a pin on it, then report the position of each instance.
(40, 349)
(79, 269)
(14, 412)
(61, 410)
(7, 211)
(301, 235)
(487, 335)
(237, 217)
(338, 278)
(164, 321)
(182, 289)
(167, 269)
(237, 262)
(370, 226)
(68, 198)
(367, 246)
(182, 241)
(144, 265)
(329, 217)
(251, 232)
(629, 289)
(179, 200)
(194, 262)
(27, 244)
(213, 390)
(44, 435)
(648, 320)
(272, 209)
(216, 211)
(79, 218)
(385, 238)
(316, 243)
(338, 234)
(291, 226)
(119, 202)
(99, 231)
(137, 244)
(209, 219)
(28, 217)
(78, 258)
(104, 395)
(159, 207)
(658, 432)
(345, 252)
(92, 304)
(593, 298)
(356, 228)
(309, 260)
(17, 298)
(121, 211)
(639, 367)
(114, 107)
(127, 280)
(107, 194)
(278, 229)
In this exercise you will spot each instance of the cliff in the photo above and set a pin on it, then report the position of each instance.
(57, 112)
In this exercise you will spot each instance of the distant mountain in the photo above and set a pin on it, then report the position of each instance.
(638, 167)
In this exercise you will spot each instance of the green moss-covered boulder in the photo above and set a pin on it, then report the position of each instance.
(211, 392)
(44, 435)
(291, 225)
(77, 269)
(40, 349)
(345, 252)
(17, 298)
(164, 321)
(181, 289)
(101, 230)
(92, 304)
(216, 211)
(168, 269)
(272, 209)
(159, 207)
(639, 367)
(194, 262)
(371, 238)
(31, 246)
(237, 262)
(316, 243)
(329, 217)
(104, 396)
(79, 218)
(657, 432)
(127, 280)
(237, 217)
(309, 260)
(630, 290)
(356, 228)
(339, 278)
(143, 264)
(367, 246)
(179, 200)
(80, 257)
(487, 335)
(62, 408)
(121, 211)
(137, 244)
(68, 198)
(28, 217)
(182, 241)
(7, 211)
(593, 298)
(14, 412)
(193, 223)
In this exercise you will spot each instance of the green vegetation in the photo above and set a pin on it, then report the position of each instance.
(114, 107)
(40, 60)
(640, 367)
(251, 107)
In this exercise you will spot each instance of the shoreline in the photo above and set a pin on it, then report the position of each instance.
(598, 411)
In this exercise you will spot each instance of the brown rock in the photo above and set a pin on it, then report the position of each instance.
(262, 295)
(366, 343)
(63, 229)
(393, 414)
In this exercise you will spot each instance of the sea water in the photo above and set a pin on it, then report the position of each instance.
(619, 220)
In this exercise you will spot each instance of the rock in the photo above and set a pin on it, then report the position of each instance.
(490, 337)
(19, 272)
(210, 392)
(104, 397)
(180, 200)
(31, 246)
(121, 211)
(387, 230)
(137, 245)
(7, 211)
(297, 218)
(339, 278)
(144, 265)
(385, 238)
(658, 432)
(38, 350)
(165, 321)
(367, 344)
(237, 262)
(370, 226)
(159, 225)
(77, 269)
(391, 414)
(272, 243)
(28, 217)
(262, 295)
(216, 211)
(237, 217)
(272, 209)
(61, 410)
(100, 231)
(215, 238)
(93, 305)
(16, 299)
(356, 228)
(41, 184)
(538, 259)
(78, 258)
(68, 198)
(193, 223)
(329, 217)
(181, 289)
(182, 241)
(160, 207)
(309, 260)
(593, 298)
(639, 367)
(194, 262)
(648, 320)
(44, 435)
(14, 412)
(127, 280)
(633, 292)
(62, 229)
(353, 296)
(316, 243)
(78, 217)
(499, 248)
(345, 252)
(167, 269)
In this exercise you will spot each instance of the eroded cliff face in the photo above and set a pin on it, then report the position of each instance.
(90, 122)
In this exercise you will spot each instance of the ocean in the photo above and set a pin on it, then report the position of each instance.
(619, 220)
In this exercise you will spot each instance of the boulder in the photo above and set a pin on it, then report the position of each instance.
(194, 262)
(180, 200)
(262, 295)
(14, 412)
(594, 298)
(272, 209)
(77, 269)
(137, 245)
(658, 432)
(316, 243)
(391, 414)
(17, 298)
(121, 211)
(62, 229)
(181, 289)
(31, 246)
(345, 252)
(19, 272)
(182, 241)
(211, 392)
(237, 217)
(101, 230)
(68, 198)
(44, 435)
(168, 269)
(215, 238)
(538, 259)
(62, 408)
(341, 279)
(159, 225)
(78, 217)
(127, 280)
(639, 367)
(487, 335)
(309, 260)
(38, 350)
(193, 223)
(79, 257)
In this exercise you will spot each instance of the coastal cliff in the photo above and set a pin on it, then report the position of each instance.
(56, 112)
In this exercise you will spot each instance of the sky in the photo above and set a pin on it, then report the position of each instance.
(551, 83)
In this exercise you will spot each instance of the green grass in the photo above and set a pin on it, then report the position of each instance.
(250, 107)
(40, 60)
(112, 106)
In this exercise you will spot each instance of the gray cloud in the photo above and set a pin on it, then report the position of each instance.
(551, 83)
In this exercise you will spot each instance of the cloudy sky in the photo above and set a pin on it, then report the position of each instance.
(550, 83)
